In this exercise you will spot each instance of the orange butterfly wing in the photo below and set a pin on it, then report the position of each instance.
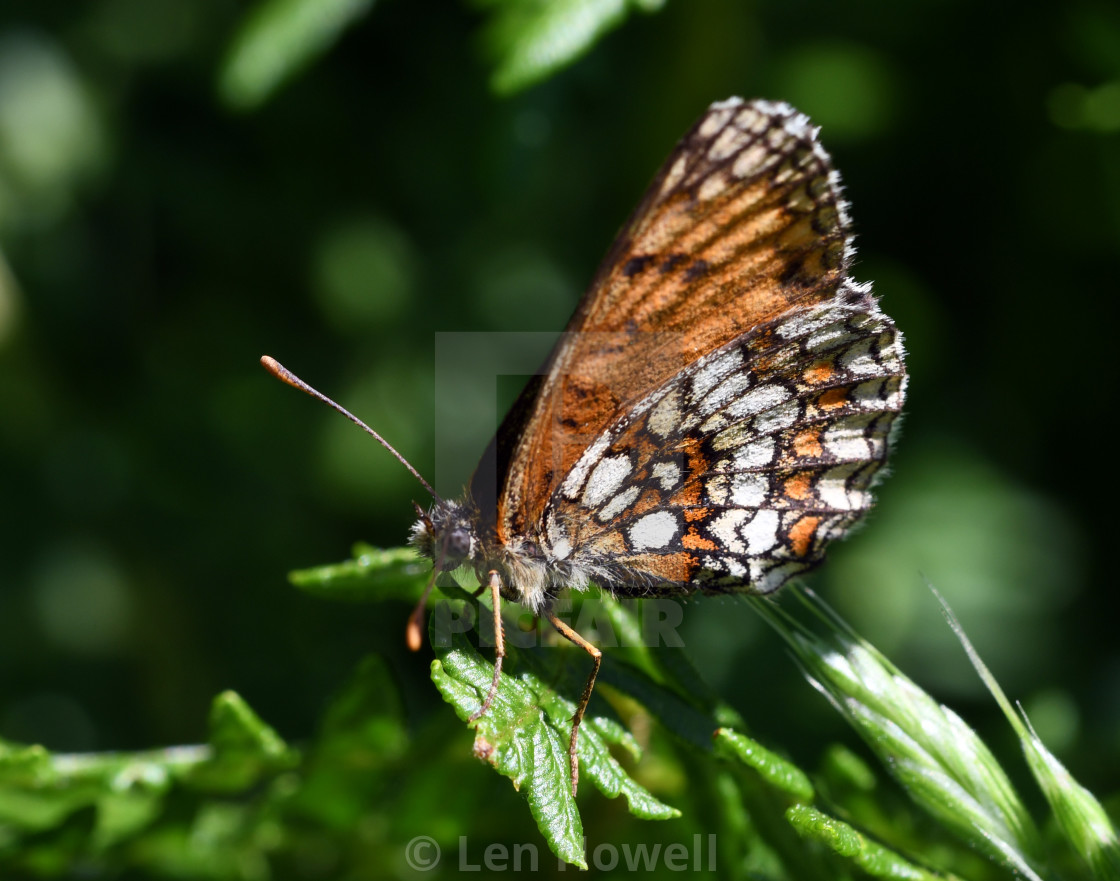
(742, 223)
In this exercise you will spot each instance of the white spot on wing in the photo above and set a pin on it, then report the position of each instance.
(666, 416)
(846, 446)
(561, 549)
(775, 577)
(761, 532)
(717, 118)
(725, 528)
(711, 373)
(777, 418)
(715, 488)
(605, 480)
(811, 320)
(724, 391)
(832, 489)
(668, 473)
(753, 160)
(734, 436)
(758, 400)
(725, 144)
(654, 530)
(558, 537)
(854, 439)
(749, 490)
(829, 338)
(859, 360)
(711, 186)
(578, 474)
(753, 455)
(618, 504)
(675, 173)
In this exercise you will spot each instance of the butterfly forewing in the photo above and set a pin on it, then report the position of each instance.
(743, 224)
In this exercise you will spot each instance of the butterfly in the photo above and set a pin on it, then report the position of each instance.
(716, 412)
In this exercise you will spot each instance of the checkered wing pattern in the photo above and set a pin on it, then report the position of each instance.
(736, 473)
(721, 400)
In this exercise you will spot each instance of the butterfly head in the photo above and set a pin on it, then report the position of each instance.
(446, 534)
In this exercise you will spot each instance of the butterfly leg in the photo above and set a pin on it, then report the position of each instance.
(494, 582)
(597, 658)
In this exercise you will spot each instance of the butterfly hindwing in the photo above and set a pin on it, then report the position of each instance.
(737, 472)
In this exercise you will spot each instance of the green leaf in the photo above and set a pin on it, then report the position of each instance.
(372, 575)
(276, 40)
(515, 737)
(244, 749)
(775, 770)
(531, 39)
(34, 793)
(874, 859)
(524, 734)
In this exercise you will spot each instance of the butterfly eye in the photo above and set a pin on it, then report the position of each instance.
(458, 544)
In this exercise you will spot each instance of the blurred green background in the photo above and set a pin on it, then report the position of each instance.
(165, 220)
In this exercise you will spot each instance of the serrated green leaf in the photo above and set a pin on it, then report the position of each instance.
(778, 772)
(596, 762)
(516, 739)
(39, 790)
(34, 795)
(276, 40)
(530, 39)
(524, 735)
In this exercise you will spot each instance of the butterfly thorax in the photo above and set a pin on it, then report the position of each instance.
(450, 535)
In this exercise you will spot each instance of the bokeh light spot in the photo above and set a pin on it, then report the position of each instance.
(847, 89)
(50, 135)
(1074, 106)
(520, 288)
(1055, 718)
(81, 600)
(364, 272)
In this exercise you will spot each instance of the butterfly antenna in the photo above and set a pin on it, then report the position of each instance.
(285, 375)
